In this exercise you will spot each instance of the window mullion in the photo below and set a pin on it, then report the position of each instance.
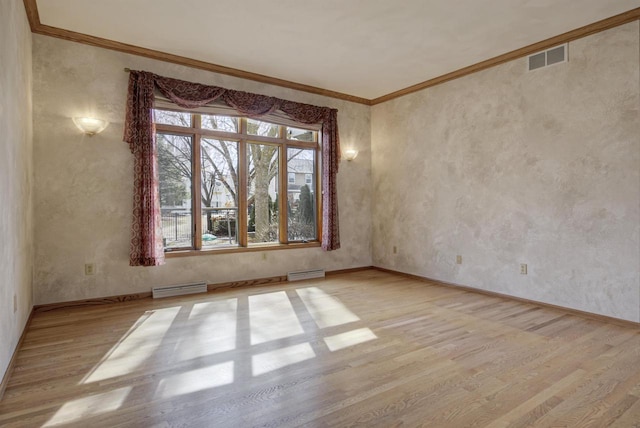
(283, 194)
(197, 187)
(242, 187)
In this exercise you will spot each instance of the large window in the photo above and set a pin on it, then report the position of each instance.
(229, 182)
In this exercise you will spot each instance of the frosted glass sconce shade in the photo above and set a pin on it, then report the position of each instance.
(90, 125)
(350, 154)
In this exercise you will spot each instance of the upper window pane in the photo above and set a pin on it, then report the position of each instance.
(176, 118)
(220, 123)
(301, 134)
(219, 192)
(174, 162)
(263, 129)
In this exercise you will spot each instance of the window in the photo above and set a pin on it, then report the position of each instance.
(216, 120)
(220, 181)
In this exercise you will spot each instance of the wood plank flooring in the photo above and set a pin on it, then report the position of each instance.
(359, 349)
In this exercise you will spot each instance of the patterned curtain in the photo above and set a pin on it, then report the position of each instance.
(139, 133)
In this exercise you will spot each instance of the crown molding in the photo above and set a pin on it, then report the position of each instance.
(569, 36)
(37, 27)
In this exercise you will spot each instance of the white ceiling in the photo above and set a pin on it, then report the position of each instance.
(366, 48)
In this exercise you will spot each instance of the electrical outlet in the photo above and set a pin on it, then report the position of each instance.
(395, 250)
(523, 269)
(89, 269)
(459, 259)
(15, 303)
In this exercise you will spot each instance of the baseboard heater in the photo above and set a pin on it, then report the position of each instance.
(305, 274)
(179, 289)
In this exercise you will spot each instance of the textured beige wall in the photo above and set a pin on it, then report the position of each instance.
(507, 166)
(503, 167)
(84, 184)
(16, 176)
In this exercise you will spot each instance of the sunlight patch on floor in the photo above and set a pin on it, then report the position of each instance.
(195, 380)
(135, 347)
(349, 338)
(85, 407)
(274, 360)
(213, 330)
(326, 310)
(272, 317)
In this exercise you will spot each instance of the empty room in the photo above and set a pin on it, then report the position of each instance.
(320, 213)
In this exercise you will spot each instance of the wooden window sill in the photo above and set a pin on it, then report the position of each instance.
(229, 250)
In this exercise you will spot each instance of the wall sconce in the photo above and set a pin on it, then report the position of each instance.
(350, 154)
(90, 125)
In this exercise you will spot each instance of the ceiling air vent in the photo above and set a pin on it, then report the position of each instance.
(549, 57)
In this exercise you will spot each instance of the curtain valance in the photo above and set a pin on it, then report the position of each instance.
(139, 133)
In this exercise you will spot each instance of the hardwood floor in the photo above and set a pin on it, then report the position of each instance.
(360, 349)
